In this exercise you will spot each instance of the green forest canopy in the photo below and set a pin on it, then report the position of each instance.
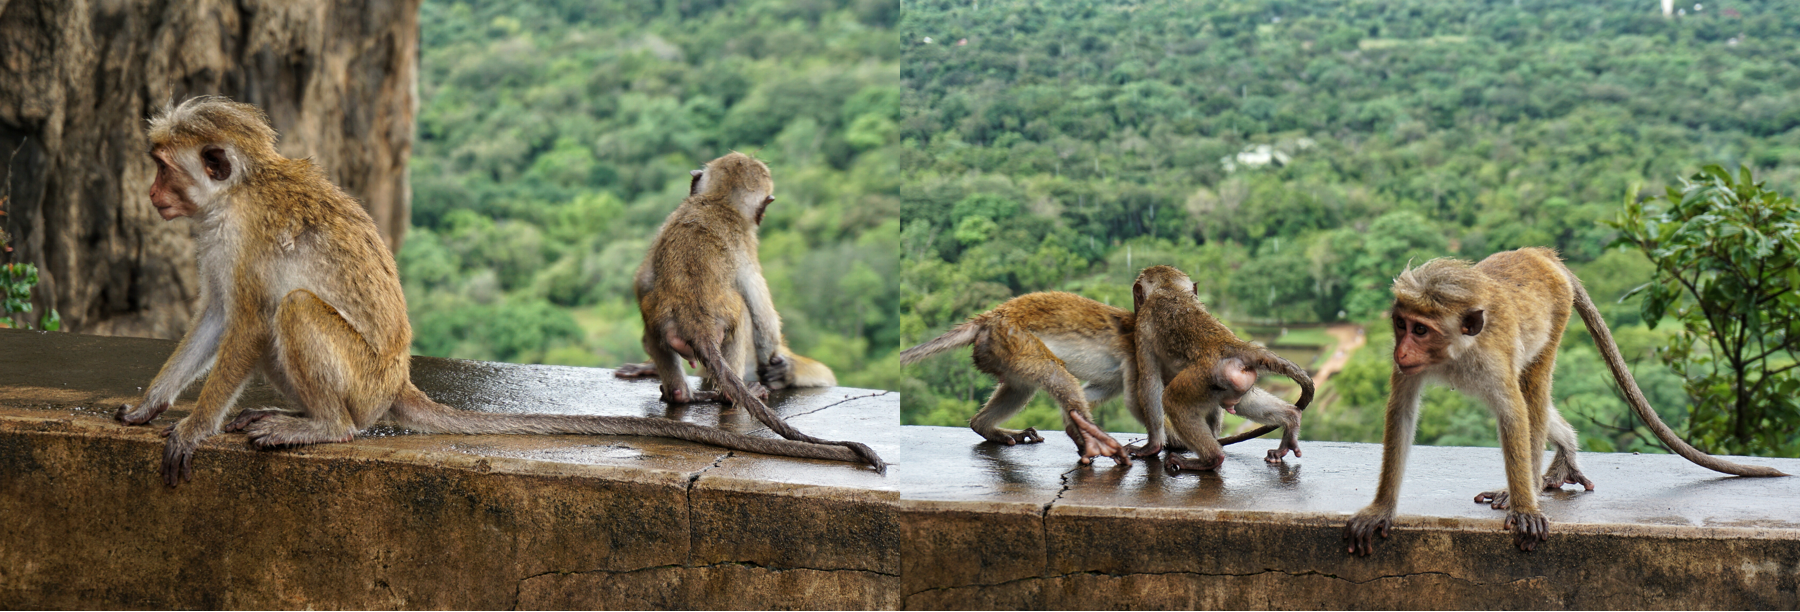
(555, 136)
(1293, 156)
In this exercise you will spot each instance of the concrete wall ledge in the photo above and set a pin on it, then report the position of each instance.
(396, 520)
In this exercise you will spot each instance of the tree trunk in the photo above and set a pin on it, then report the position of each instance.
(79, 79)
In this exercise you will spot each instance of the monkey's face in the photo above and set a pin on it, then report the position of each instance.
(169, 193)
(186, 180)
(1418, 343)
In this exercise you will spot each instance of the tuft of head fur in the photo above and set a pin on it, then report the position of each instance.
(735, 171)
(1440, 287)
(215, 119)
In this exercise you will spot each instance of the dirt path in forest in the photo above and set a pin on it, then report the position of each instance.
(1350, 337)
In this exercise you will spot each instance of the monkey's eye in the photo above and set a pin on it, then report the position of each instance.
(1418, 329)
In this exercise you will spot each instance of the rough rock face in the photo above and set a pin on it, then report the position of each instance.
(80, 78)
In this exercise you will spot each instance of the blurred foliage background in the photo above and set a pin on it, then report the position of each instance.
(1294, 156)
(555, 136)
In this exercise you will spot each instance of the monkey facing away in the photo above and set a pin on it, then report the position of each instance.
(703, 298)
(805, 373)
(1206, 368)
(1053, 341)
(1492, 329)
(297, 284)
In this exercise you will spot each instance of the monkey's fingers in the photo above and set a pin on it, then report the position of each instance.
(1529, 530)
(1361, 532)
(178, 462)
(167, 431)
(1030, 436)
(635, 370)
(1176, 463)
(1495, 499)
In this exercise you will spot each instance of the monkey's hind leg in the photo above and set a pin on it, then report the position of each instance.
(315, 356)
(1006, 401)
(1563, 467)
(1033, 364)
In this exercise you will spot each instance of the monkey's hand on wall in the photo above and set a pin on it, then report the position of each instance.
(140, 414)
(777, 372)
(1529, 529)
(1095, 442)
(1290, 442)
(1362, 529)
(178, 454)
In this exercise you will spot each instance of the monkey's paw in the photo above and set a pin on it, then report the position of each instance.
(140, 414)
(777, 372)
(1555, 480)
(1146, 451)
(1362, 529)
(1494, 499)
(178, 457)
(1095, 442)
(1011, 437)
(1275, 454)
(1174, 464)
(1529, 529)
(278, 430)
(635, 370)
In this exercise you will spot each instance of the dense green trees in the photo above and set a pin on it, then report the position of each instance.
(555, 136)
(1294, 156)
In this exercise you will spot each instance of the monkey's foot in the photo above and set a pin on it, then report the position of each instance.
(278, 430)
(1146, 451)
(1174, 463)
(245, 418)
(1095, 442)
(757, 389)
(1010, 437)
(1275, 454)
(1362, 529)
(1495, 499)
(636, 370)
(140, 414)
(1529, 529)
(1556, 478)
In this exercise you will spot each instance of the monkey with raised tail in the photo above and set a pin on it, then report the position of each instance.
(1198, 367)
(1492, 330)
(297, 284)
(704, 300)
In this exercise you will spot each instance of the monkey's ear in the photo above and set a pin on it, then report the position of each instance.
(217, 165)
(1232, 373)
(1472, 321)
(1137, 295)
(694, 183)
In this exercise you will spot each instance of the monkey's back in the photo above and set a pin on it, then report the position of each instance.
(1056, 312)
(310, 216)
(686, 279)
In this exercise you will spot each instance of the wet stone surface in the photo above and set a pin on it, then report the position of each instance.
(390, 519)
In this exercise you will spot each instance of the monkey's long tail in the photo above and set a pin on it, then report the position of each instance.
(734, 388)
(958, 337)
(413, 410)
(1269, 360)
(1610, 350)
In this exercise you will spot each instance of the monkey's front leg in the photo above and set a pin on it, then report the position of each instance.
(1396, 441)
(239, 353)
(191, 359)
(1528, 525)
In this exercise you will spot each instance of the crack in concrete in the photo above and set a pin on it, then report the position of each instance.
(690, 498)
(518, 588)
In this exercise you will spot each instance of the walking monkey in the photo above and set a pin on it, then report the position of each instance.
(1492, 329)
(297, 284)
